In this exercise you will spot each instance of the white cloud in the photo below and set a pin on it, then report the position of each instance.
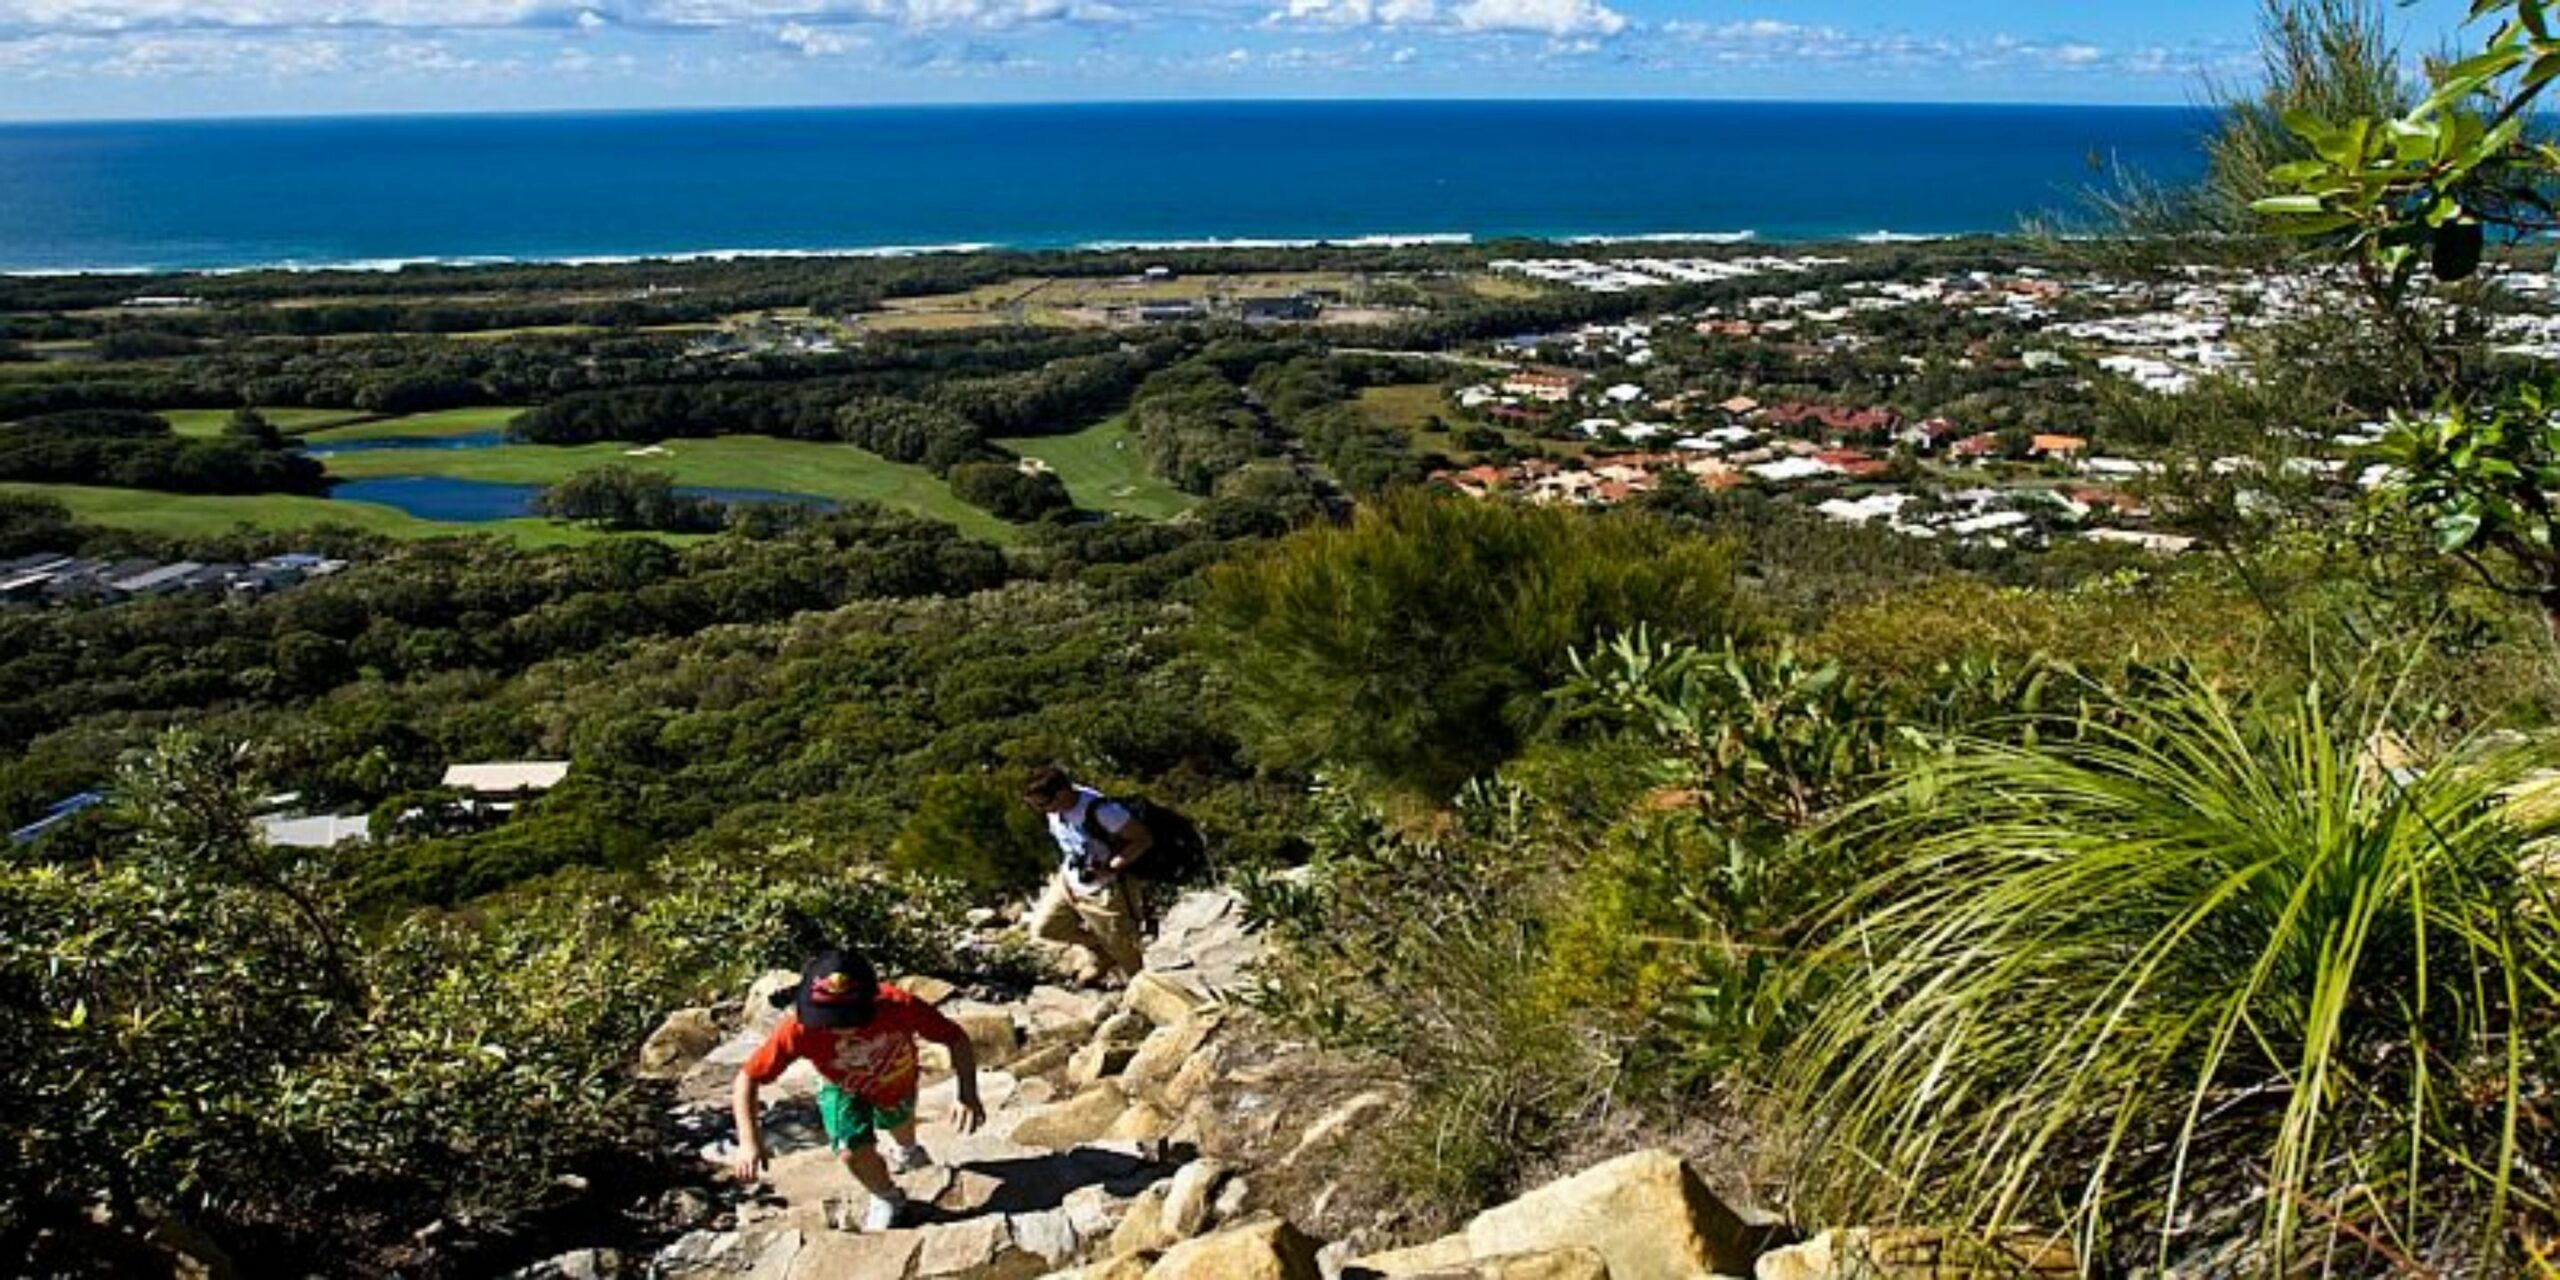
(814, 42)
(1358, 13)
(1558, 18)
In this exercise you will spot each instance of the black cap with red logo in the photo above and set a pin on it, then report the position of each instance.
(838, 989)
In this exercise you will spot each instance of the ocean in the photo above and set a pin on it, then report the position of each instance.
(377, 191)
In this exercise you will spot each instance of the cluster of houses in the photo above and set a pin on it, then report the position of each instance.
(1621, 275)
(484, 793)
(55, 578)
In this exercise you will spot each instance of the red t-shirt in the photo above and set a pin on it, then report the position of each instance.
(875, 1062)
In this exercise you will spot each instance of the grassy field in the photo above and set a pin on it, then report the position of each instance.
(1103, 470)
(837, 471)
(1409, 406)
(449, 422)
(209, 422)
(196, 516)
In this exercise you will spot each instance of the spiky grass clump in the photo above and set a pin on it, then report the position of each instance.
(2202, 983)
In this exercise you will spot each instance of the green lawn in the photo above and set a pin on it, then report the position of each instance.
(838, 471)
(195, 516)
(1410, 406)
(449, 422)
(1103, 470)
(209, 422)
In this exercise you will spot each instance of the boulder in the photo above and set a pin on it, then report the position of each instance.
(926, 987)
(192, 1255)
(1056, 1014)
(991, 1033)
(1049, 1235)
(1043, 1060)
(1266, 1250)
(1128, 1266)
(1646, 1213)
(678, 1043)
(1232, 1198)
(1098, 1060)
(760, 1014)
(1191, 1197)
(1142, 1122)
(1576, 1263)
(1167, 999)
(1448, 1253)
(1141, 1229)
(1919, 1253)
(833, 1255)
(974, 1249)
(1166, 1049)
(1093, 1212)
(1079, 1119)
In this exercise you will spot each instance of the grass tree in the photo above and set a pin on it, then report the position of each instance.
(2204, 982)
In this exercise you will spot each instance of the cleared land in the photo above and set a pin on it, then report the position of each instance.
(449, 422)
(197, 516)
(1409, 407)
(1068, 301)
(291, 421)
(1103, 470)
(838, 471)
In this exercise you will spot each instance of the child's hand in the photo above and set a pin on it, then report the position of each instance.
(750, 1162)
(968, 1113)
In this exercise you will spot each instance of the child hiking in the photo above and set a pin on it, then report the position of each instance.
(860, 1034)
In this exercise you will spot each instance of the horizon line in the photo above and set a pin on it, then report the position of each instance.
(18, 122)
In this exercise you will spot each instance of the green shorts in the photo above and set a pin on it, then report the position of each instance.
(851, 1121)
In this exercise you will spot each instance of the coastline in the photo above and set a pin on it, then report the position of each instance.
(1205, 244)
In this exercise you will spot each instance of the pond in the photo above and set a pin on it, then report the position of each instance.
(455, 501)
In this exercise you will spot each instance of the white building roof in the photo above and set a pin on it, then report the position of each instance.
(508, 777)
(327, 831)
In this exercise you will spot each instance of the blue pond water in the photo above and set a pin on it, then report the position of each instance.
(447, 499)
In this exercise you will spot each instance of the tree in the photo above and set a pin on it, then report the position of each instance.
(1417, 642)
(1011, 492)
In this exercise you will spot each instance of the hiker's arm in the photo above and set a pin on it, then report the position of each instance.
(1130, 843)
(749, 1114)
(968, 1112)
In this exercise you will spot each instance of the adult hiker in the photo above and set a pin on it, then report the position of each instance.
(1090, 902)
(860, 1033)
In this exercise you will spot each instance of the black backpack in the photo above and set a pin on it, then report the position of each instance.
(1179, 855)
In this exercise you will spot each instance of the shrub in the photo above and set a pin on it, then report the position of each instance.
(2200, 982)
(1415, 643)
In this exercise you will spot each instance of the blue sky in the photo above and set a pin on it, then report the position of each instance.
(119, 58)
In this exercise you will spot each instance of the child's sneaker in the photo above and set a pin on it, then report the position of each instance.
(909, 1158)
(883, 1213)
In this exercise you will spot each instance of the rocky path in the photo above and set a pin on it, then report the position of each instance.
(1090, 1165)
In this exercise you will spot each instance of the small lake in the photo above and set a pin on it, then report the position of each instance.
(479, 501)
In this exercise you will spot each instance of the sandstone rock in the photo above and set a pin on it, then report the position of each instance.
(1141, 1229)
(1049, 1235)
(1646, 1213)
(926, 987)
(991, 1033)
(1166, 999)
(1098, 1060)
(1267, 1250)
(1082, 1118)
(835, 1255)
(1918, 1253)
(1093, 1212)
(1055, 1014)
(1166, 1049)
(1142, 1122)
(678, 1043)
(1043, 1060)
(772, 1254)
(1191, 1080)
(1445, 1254)
(1128, 1266)
(974, 1248)
(1191, 1197)
(759, 1014)
(1232, 1199)
(1576, 1263)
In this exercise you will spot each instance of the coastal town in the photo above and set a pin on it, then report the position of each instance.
(1603, 413)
